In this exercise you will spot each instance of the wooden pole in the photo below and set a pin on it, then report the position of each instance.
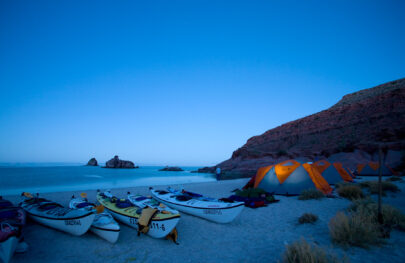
(380, 159)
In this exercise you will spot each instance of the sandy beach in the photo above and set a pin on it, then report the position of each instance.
(256, 235)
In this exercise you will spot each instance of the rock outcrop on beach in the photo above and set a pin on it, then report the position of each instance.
(92, 162)
(350, 132)
(171, 169)
(117, 163)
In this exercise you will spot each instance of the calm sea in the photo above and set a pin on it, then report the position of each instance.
(17, 179)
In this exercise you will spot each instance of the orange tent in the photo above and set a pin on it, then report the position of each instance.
(290, 178)
(372, 169)
(332, 172)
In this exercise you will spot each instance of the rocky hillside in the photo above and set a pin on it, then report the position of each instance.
(355, 125)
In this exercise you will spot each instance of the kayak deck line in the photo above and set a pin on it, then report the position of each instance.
(106, 229)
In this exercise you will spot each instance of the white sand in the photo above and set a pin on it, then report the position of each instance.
(257, 235)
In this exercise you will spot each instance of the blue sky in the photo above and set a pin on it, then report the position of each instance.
(180, 82)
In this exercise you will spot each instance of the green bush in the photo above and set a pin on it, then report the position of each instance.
(311, 194)
(303, 252)
(372, 186)
(351, 192)
(307, 218)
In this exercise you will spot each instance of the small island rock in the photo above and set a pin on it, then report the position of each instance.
(117, 163)
(172, 169)
(92, 162)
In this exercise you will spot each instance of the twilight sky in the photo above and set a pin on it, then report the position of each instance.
(180, 82)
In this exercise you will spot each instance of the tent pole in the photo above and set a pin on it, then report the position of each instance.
(380, 216)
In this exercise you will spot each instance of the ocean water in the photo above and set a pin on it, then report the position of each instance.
(45, 179)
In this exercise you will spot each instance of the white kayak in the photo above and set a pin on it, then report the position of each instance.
(103, 225)
(208, 208)
(54, 215)
(160, 225)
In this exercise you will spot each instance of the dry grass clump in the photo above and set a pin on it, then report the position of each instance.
(303, 252)
(372, 186)
(351, 192)
(360, 226)
(307, 218)
(311, 194)
(392, 217)
(341, 184)
(354, 229)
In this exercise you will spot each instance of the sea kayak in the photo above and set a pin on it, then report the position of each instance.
(104, 224)
(160, 225)
(12, 221)
(195, 204)
(54, 215)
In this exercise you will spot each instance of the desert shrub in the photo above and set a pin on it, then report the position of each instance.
(307, 218)
(351, 192)
(394, 179)
(354, 229)
(341, 184)
(372, 186)
(392, 217)
(367, 204)
(311, 194)
(303, 252)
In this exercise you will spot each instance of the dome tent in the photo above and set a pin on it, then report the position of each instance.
(290, 178)
(372, 169)
(332, 172)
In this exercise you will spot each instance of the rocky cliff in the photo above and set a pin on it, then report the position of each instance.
(356, 125)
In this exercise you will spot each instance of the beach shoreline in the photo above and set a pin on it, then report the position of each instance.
(256, 235)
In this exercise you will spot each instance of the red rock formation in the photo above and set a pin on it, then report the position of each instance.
(356, 124)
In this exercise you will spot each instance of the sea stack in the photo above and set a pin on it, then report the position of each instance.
(92, 162)
(117, 163)
(172, 169)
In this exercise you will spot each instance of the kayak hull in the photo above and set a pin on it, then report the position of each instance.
(7, 248)
(109, 232)
(103, 224)
(75, 226)
(157, 228)
(53, 215)
(218, 212)
(160, 225)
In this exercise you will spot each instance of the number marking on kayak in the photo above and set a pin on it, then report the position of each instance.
(212, 211)
(157, 226)
(133, 221)
(73, 222)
